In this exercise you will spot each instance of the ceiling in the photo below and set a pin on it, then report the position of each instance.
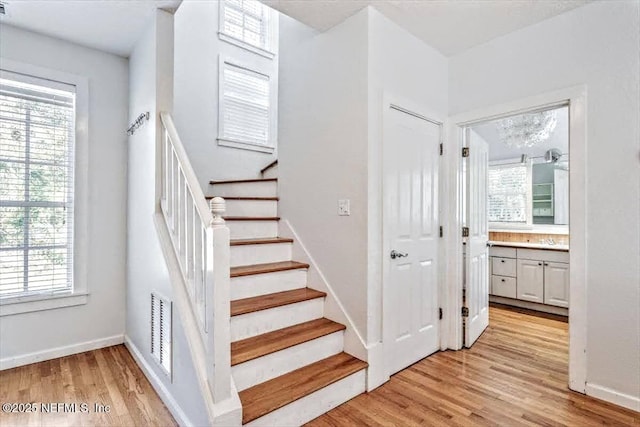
(559, 139)
(450, 26)
(108, 25)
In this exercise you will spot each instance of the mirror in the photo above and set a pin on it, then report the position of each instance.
(528, 168)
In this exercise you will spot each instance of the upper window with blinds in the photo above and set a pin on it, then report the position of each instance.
(37, 131)
(246, 114)
(249, 23)
(509, 194)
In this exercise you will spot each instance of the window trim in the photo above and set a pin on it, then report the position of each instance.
(79, 294)
(273, 109)
(528, 225)
(270, 52)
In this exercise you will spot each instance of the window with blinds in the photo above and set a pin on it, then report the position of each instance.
(508, 192)
(247, 21)
(245, 106)
(37, 133)
(161, 331)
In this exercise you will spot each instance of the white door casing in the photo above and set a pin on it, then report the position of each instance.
(476, 249)
(410, 226)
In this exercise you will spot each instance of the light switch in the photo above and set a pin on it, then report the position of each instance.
(344, 207)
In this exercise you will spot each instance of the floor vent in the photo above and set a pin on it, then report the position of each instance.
(161, 332)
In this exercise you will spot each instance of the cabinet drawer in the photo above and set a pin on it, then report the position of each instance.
(502, 252)
(503, 266)
(543, 255)
(503, 286)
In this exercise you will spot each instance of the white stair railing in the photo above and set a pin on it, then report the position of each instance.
(200, 241)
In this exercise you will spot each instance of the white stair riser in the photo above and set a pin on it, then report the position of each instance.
(252, 229)
(263, 321)
(268, 283)
(315, 404)
(272, 172)
(246, 189)
(260, 254)
(251, 208)
(273, 365)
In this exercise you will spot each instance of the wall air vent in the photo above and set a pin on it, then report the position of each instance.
(161, 332)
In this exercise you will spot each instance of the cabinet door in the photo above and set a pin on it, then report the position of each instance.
(530, 284)
(556, 284)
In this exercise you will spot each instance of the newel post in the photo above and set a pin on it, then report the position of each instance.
(220, 330)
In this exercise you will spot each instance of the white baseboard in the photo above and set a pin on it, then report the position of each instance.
(166, 397)
(612, 396)
(54, 353)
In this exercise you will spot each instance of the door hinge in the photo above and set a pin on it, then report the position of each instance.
(465, 151)
(441, 231)
(465, 231)
(441, 148)
(465, 311)
(440, 313)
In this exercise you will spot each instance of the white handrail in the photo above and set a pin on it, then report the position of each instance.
(200, 241)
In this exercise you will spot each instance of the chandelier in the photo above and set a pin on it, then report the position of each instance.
(526, 130)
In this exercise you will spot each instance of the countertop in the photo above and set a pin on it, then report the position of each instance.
(530, 245)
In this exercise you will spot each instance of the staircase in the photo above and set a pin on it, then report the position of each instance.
(287, 360)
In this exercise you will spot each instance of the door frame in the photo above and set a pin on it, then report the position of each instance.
(451, 326)
(391, 101)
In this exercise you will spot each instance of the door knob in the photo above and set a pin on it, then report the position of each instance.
(395, 254)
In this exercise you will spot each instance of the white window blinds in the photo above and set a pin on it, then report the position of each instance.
(247, 21)
(508, 193)
(244, 106)
(37, 130)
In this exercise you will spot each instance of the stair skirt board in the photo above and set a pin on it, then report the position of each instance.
(251, 207)
(268, 283)
(273, 365)
(315, 404)
(272, 172)
(259, 322)
(260, 254)
(246, 189)
(252, 229)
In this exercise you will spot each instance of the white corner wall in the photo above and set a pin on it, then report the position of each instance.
(195, 112)
(404, 69)
(323, 151)
(151, 78)
(596, 45)
(42, 335)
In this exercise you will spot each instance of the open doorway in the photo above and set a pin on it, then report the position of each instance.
(515, 203)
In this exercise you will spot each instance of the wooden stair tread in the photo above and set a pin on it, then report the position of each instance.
(269, 166)
(264, 302)
(261, 199)
(268, 396)
(269, 267)
(251, 218)
(240, 181)
(261, 345)
(260, 241)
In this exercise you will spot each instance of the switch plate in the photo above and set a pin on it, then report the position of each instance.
(344, 207)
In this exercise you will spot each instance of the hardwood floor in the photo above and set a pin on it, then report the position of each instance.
(108, 376)
(515, 375)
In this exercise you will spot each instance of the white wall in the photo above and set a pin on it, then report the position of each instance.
(596, 45)
(330, 148)
(197, 49)
(323, 150)
(81, 327)
(151, 80)
(414, 75)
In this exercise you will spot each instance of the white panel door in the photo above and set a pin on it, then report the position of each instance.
(476, 249)
(411, 229)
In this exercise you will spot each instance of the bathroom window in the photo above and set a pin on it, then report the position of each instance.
(509, 193)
